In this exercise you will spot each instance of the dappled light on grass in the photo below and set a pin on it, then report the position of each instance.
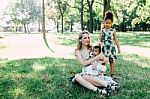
(18, 92)
(67, 41)
(134, 39)
(144, 63)
(38, 67)
(21, 76)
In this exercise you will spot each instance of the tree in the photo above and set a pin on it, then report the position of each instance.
(43, 25)
(90, 5)
(143, 16)
(106, 6)
(62, 7)
(24, 12)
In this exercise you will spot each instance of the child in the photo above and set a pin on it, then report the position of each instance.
(108, 39)
(98, 70)
(95, 68)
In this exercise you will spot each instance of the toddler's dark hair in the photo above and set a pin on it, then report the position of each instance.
(97, 47)
(108, 15)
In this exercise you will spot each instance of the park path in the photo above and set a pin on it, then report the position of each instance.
(21, 46)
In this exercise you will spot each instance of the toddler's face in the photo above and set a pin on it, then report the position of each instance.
(95, 51)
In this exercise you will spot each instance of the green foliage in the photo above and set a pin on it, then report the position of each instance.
(23, 11)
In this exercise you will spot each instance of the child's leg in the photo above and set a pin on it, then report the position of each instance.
(112, 65)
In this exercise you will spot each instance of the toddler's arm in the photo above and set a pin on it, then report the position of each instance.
(116, 41)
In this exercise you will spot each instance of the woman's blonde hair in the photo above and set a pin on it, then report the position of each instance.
(79, 45)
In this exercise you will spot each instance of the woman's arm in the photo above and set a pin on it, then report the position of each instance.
(116, 41)
(86, 62)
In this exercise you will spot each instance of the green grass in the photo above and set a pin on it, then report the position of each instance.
(26, 78)
(47, 78)
(134, 39)
(124, 38)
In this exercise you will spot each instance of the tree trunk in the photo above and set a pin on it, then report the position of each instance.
(71, 24)
(90, 4)
(82, 7)
(43, 27)
(62, 25)
(39, 27)
(57, 25)
(25, 30)
(106, 6)
(91, 20)
(43, 20)
(28, 31)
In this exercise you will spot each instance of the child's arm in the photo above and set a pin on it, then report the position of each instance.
(116, 41)
(105, 60)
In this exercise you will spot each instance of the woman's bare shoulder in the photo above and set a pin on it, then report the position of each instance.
(77, 51)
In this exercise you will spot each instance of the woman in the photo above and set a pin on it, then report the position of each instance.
(82, 53)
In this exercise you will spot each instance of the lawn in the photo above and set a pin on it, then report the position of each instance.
(125, 38)
(48, 78)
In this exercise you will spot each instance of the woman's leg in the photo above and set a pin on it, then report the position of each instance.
(85, 83)
(95, 81)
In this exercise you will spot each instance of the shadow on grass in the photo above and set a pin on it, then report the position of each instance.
(134, 39)
(72, 41)
(48, 78)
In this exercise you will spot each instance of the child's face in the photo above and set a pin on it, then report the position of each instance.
(108, 23)
(95, 51)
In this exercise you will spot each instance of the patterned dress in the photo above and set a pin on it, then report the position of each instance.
(108, 43)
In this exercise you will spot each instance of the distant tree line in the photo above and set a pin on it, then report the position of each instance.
(130, 15)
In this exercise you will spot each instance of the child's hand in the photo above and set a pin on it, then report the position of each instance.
(119, 50)
(99, 43)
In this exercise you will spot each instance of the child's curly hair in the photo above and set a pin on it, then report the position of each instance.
(108, 15)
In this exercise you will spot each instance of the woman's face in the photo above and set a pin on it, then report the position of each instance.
(108, 23)
(85, 39)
